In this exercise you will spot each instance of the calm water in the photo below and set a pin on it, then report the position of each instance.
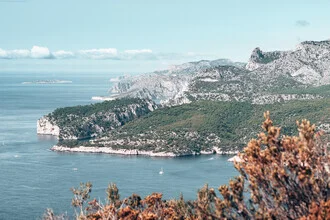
(33, 178)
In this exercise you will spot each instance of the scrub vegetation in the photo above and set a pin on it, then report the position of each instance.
(281, 177)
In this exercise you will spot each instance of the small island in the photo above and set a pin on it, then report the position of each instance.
(48, 82)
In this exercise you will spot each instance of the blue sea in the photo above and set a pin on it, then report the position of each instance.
(33, 178)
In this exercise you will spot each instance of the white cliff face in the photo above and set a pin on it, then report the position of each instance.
(152, 86)
(44, 126)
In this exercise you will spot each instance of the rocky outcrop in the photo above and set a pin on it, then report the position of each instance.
(265, 75)
(46, 127)
(308, 64)
(89, 121)
(167, 84)
(258, 58)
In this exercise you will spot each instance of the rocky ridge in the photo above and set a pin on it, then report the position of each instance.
(260, 81)
(167, 84)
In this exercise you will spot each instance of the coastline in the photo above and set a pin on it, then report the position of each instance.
(108, 150)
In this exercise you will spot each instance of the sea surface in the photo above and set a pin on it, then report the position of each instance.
(33, 178)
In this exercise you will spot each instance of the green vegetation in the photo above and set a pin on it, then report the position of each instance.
(320, 90)
(228, 120)
(195, 127)
(89, 120)
(87, 110)
(281, 177)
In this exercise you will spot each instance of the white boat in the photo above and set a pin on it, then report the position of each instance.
(161, 171)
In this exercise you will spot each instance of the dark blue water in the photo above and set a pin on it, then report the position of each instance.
(33, 178)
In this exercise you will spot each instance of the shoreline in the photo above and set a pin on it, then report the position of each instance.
(108, 150)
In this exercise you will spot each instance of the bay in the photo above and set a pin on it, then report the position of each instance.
(33, 178)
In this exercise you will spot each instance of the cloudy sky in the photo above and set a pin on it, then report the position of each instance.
(142, 35)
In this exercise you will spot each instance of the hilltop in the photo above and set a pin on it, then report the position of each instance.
(261, 81)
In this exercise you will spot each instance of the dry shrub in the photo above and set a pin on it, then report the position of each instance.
(281, 177)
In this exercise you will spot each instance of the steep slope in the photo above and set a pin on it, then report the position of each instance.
(261, 81)
(308, 64)
(81, 122)
(167, 84)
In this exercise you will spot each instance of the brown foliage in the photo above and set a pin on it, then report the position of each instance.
(281, 177)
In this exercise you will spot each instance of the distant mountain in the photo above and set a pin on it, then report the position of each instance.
(309, 63)
(166, 84)
(268, 77)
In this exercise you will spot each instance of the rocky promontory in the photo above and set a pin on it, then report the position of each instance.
(83, 122)
(205, 107)
(200, 127)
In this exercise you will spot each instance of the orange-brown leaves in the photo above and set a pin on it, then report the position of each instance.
(268, 122)
(318, 211)
(153, 199)
(284, 173)
(127, 213)
(286, 178)
(306, 130)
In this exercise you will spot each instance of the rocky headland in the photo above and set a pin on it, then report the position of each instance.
(204, 107)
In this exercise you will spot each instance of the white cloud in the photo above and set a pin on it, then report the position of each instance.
(3, 53)
(40, 52)
(62, 54)
(19, 54)
(103, 53)
(14, 54)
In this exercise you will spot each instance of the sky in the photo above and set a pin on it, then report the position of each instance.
(146, 35)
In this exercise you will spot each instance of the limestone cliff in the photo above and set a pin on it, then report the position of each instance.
(46, 127)
(81, 122)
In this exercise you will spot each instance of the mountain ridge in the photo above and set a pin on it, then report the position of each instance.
(264, 74)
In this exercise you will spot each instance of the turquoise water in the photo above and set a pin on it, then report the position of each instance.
(33, 178)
